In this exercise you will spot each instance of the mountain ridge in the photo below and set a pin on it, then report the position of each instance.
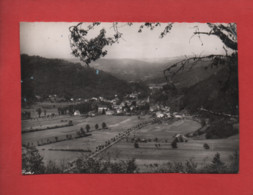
(42, 76)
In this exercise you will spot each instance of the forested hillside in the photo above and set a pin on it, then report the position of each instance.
(41, 76)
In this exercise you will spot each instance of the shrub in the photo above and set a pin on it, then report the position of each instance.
(70, 123)
(178, 167)
(78, 134)
(220, 129)
(203, 122)
(136, 144)
(206, 146)
(234, 166)
(32, 161)
(217, 166)
(104, 126)
(87, 128)
(52, 168)
(82, 131)
(105, 166)
(174, 144)
(191, 166)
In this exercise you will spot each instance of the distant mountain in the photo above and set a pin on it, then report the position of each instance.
(150, 71)
(133, 69)
(41, 76)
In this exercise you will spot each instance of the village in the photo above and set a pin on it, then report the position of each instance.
(123, 128)
(128, 105)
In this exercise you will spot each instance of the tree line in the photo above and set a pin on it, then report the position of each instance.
(32, 163)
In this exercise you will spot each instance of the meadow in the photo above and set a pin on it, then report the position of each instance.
(163, 135)
(115, 124)
(154, 140)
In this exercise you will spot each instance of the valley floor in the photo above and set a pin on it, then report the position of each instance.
(154, 145)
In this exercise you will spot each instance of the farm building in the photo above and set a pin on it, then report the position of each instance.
(132, 108)
(178, 116)
(102, 108)
(180, 138)
(109, 112)
(119, 111)
(152, 108)
(159, 114)
(94, 99)
(91, 114)
(77, 113)
(168, 115)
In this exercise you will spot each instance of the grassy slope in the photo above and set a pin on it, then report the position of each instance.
(147, 153)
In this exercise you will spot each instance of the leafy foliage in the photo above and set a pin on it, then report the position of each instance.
(89, 50)
(220, 129)
(206, 146)
(217, 166)
(174, 143)
(52, 168)
(87, 127)
(227, 33)
(38, 110)
(32, 161)
(104, 126)
(105, 166)
(136, 144)
(234, 166)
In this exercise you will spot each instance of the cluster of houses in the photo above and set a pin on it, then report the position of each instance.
(160, 111)
(128, 105)
(134, 106)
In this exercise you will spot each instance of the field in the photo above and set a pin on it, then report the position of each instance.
(148, 153)
(154, 147)
(50, 107)
(115, 124)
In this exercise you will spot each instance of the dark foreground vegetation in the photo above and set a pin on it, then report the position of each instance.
(32, 163)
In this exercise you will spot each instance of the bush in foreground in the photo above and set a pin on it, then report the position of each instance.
(105, 166)
(32, 163)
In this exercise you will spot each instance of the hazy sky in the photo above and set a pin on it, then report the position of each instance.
(51, 40)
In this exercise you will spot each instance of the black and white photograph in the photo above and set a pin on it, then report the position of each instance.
(129, 97)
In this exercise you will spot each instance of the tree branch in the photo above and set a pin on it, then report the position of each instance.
(181, 64)
(223, 37)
